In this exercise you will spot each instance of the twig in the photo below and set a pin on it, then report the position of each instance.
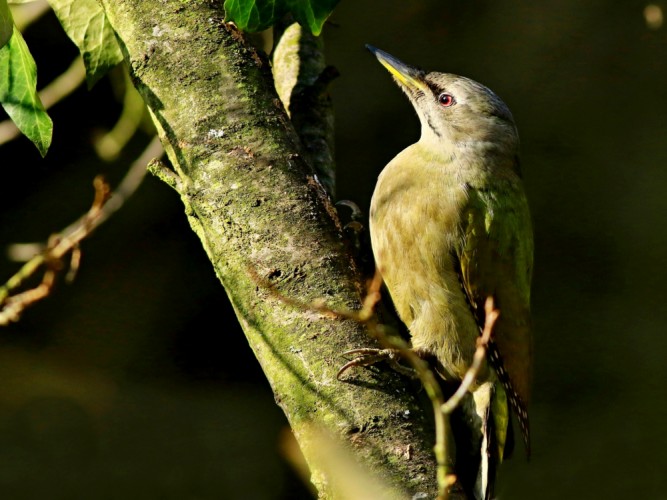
(59, 245)
(491, 315)
(25, 14)
(51, 258)
(133, 178)
(109, 145)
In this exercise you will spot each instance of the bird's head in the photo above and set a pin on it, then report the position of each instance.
(456, 113)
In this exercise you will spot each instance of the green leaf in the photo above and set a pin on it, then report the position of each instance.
(312, 13)
(257, 15)
(85, 22)
(254, 15)
(18, 92)
(6, 23)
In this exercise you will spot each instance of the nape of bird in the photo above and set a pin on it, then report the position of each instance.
(450, 227)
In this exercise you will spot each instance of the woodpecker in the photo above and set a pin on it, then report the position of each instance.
(450, 226)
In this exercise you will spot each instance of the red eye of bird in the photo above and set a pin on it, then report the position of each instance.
(446, 99)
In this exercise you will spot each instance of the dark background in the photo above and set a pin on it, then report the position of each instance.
(127, 384)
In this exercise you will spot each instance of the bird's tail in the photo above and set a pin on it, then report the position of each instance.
(515, 401)
(480, 425)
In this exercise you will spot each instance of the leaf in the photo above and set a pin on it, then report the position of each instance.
(258, 15)
(6, 23)
(254, 15)
(312, 13)
(85, 22)
(18, 92)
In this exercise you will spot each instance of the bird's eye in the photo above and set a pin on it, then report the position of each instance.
(446, 99)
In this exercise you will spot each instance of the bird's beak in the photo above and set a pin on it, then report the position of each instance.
(412, 78)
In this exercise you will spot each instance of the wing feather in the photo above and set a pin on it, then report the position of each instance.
(495, 258)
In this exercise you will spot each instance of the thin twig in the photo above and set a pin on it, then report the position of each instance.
(67, 241)
(491, 315)
(56, 249)
(25, 14)
(108, 146)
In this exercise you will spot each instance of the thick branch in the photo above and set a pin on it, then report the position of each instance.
(259, 212)
(302, 80)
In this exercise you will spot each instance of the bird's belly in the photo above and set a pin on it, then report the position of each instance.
(414, 242)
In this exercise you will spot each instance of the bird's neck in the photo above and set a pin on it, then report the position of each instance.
(469, 158)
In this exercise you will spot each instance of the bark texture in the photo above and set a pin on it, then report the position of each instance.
(263, 218)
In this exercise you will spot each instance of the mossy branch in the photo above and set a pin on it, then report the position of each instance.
(260, 212)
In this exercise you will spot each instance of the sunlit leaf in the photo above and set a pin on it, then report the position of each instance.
(85, 22)
(18, 92)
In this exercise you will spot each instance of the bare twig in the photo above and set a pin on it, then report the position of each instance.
(491, 315)
(25, 14)
(59, 245)
(67, 242)
(109, 145)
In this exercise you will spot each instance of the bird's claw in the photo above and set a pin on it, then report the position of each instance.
(369, 356)
(357, 214)
(355, 227)
(356, 235)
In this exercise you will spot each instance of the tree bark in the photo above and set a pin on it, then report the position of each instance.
(263, 217)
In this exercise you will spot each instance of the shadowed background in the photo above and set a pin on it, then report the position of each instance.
(136, 381)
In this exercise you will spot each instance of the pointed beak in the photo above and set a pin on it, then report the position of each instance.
(410, 77)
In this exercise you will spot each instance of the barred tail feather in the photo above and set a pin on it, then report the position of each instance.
(516, 403)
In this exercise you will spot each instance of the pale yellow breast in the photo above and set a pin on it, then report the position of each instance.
(414, 227)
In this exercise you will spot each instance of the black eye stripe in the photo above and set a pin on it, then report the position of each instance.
(436, 89)
(439, 91)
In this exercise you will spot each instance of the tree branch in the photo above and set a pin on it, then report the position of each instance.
(256, 205)
(302, 80)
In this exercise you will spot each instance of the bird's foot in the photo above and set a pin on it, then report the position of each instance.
(357, 235)
(355, 227)
(355, 212)
(368, 357)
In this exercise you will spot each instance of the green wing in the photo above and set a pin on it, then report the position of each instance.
(496, 259)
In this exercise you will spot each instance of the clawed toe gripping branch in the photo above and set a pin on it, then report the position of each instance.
(370, 356)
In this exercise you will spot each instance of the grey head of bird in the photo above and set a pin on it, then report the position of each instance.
(458, 115)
